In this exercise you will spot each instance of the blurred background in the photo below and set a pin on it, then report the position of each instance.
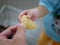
(9, 12)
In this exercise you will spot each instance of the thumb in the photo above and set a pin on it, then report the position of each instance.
(20, 31)
(19, 38)
(29, 14)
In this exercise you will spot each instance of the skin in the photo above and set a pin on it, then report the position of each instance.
(35, 14)
(19, 30)
(18, 37)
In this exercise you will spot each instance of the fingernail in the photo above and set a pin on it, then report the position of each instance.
(28, 16)
(21, 26)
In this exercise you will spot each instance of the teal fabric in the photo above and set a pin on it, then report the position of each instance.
(52, 6)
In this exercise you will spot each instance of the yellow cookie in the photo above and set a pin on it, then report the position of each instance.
(28, 22)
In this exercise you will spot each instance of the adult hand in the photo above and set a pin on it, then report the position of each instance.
(18, 38)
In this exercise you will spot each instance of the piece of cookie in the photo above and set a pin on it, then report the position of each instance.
(28, 22)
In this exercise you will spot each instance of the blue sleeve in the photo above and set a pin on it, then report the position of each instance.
(49, 4)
